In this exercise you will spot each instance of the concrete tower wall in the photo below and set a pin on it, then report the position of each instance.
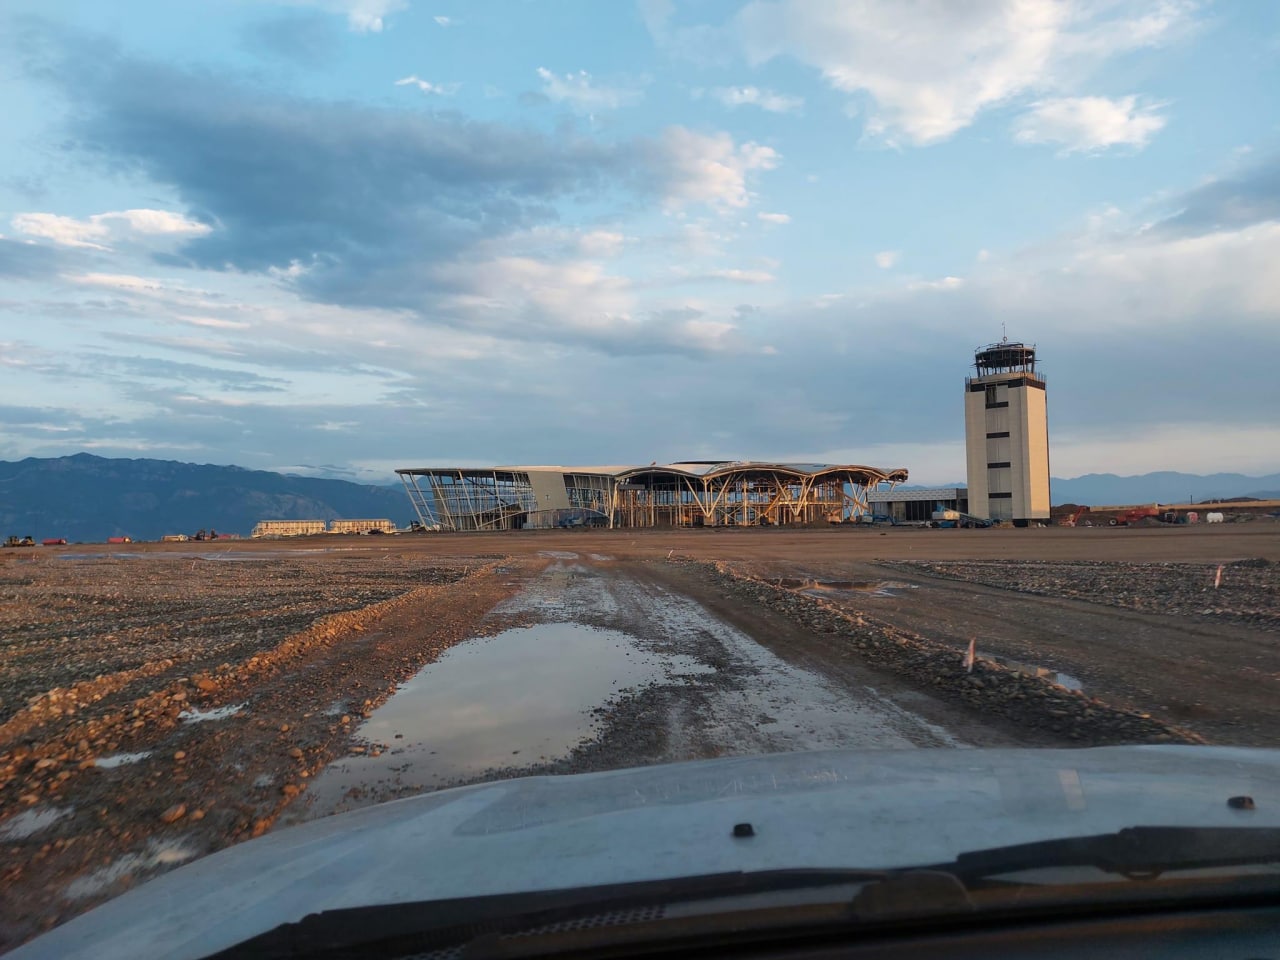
(1007, 436)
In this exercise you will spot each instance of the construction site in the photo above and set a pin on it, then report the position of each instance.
(162, 701)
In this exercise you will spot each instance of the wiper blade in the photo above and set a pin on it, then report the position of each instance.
(428, 925)
(1134, 852)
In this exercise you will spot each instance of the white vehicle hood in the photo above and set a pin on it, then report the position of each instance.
(839, 809)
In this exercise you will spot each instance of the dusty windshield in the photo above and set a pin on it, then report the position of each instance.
(402, 396)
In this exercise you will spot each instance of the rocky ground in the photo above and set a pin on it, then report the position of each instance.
(1240, 591)
(208, 720)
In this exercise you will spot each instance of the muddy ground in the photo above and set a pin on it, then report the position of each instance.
(158, 702)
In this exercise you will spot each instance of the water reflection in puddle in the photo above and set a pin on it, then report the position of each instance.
(31, 821)
(1045, 673)
(521, 697)
(121, 759)
(157, 853)
(196, 715)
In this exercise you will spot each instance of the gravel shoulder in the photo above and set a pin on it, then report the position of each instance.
(1216, 674)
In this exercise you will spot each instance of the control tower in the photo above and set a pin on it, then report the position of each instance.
(1006, 430)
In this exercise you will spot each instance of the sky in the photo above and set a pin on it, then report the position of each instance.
(345, 236)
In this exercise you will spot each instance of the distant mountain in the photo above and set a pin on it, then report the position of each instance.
(83, 497)
(1163, 487)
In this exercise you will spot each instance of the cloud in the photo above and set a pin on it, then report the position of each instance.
(601, 243)
(444, 21)
(1089, 124)
(442, 89)
(385, 195)
(887, 259)
(580, 92)
(369, 16)
(152, 368)
(1248, 196)
(70, 232)
(116, 281)
(26, 260)
(754, 96)
(774, 217)
(742, 276)
(710, 168)
(700, 43)
(928, 76)
(66, 231)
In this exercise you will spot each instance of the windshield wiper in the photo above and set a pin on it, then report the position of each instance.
(1134, 852)
(882, 895)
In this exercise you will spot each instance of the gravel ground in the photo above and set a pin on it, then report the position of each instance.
(1248, 592)
(210, 722)
(117, 620)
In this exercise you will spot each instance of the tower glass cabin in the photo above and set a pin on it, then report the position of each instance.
(1007, 435)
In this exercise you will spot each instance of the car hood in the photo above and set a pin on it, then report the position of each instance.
(821, 809)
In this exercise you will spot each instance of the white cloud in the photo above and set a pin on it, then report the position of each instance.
(368, 16)
(426, 86)
(710, 168)
(743, 276)
(1089, 123)
(571, 296)
(216, 323)
(774, 217)
(67, 231)
(887, 259)
(157, 222)
(930, 73)
(601, 243)
(579, 91)
(945, 283)
(754, 96)
(117, 281)
(444, 21)
(70, 232)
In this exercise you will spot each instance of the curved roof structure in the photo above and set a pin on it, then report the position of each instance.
(858, 473)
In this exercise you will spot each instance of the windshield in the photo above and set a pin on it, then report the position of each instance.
(336, 334)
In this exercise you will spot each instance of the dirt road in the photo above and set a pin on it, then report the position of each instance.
(598, 664)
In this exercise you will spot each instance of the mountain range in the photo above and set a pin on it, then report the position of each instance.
(1162, 487)
(87, 498)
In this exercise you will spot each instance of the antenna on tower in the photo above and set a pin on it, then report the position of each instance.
(1004, 333)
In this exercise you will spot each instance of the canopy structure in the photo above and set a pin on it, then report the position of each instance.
(688, 494)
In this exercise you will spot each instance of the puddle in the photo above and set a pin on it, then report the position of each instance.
(157, 854)
(599, 556)
(195, 715)
(558, 554)
(1033, 670)
(31, 821)
(814, 586)
(121, 759)
(521, 697)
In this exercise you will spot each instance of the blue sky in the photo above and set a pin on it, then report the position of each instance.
(361, 234)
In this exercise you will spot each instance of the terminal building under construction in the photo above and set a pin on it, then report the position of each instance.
(690, 494)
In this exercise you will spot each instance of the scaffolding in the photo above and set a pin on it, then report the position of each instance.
(691, 494)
